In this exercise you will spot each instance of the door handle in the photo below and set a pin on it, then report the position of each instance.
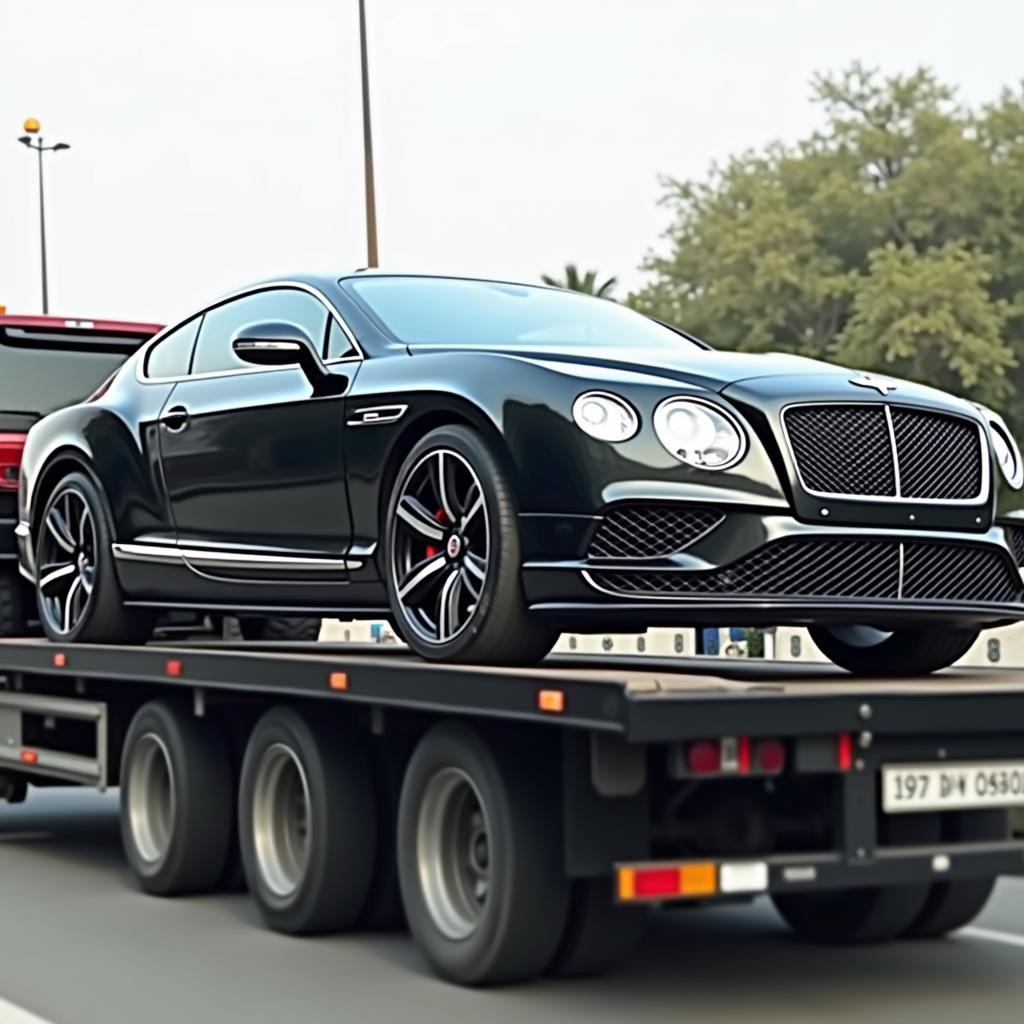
(175, 419)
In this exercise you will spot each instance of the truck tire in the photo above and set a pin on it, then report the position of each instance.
(12, 619)
(953, 905)
(599, 935)
(452, 557)
(866, 651)
(852, 916)
(480, 858)
(307, 822)
(176, 800)
(271, 630)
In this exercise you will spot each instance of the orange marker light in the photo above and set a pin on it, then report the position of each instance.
(174, 667)
(339, 680)
(30, 757)
(60, 660)
(698, 879)
(552, 701)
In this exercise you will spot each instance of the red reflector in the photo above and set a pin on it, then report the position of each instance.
(29, 757)
(743, 754)
(174, 667)
(656, 881)
(703, 757)
(12, 447)
(771, 756)
(844, 752)
(60, 660)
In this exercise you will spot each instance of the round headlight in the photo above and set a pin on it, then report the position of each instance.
(1006, 452)
(604, 416)
(699, 433)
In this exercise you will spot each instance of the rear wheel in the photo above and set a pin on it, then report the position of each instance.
(279, 629)
(867, 651)
(453, 562)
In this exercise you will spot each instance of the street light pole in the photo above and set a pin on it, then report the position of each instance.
(32, 127)
(371, 199)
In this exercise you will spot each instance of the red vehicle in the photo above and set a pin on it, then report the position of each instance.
(46, 362)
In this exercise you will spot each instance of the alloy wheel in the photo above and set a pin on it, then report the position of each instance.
(440, 545)
(67, 561)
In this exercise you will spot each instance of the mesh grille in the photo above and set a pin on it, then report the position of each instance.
(837, 568)
(647, 531)
(1015, 536)
(843, 449)
(846, 449)
(939, 456)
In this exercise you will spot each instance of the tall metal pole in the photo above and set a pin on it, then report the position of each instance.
(371, 199)
(42, 229)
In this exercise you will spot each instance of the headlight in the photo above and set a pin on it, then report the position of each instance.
(604, 416)
(1006, 451)
(699, 433)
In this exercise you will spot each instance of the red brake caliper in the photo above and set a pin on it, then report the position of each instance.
(440, 517)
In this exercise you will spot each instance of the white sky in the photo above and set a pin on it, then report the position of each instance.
(216, 142)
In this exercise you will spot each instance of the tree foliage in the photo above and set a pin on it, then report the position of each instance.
(892, 239)
(586, 283)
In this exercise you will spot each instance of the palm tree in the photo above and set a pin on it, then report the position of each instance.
(586, 283)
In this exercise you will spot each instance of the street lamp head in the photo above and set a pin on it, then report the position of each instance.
(32, 126)
(61, 145)
(26, 140)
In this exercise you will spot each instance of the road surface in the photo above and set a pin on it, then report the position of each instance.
(79, 945)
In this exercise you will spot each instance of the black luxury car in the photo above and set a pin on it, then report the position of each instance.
(488, 464)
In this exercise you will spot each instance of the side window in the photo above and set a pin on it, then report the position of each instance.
(338, 345)
(213, 353)
(170, 357)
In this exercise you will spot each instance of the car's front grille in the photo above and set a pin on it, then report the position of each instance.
(1015, 538)
(853, 449)
(840, 568)
(650, 531)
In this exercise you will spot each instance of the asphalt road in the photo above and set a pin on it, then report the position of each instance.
(79, 945)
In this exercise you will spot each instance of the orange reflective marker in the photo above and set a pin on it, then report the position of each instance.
(60, 660)
(552, 701)
(698, 879)
(339, 680)
(175, 667)
(29, 757)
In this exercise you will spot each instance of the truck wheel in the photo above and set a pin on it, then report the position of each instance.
(12, 619)
(599, 934)
(176, 801)
(866, 651)
(77, 589)
(479, 858)
(852, 916)
(278, 629)
(953, 905)
(453, 556)
(307, 823)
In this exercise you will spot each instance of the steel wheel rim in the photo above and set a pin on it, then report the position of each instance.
(440, 546)
(453, 852)
(282, 828)
(152, 800)
(68, 560)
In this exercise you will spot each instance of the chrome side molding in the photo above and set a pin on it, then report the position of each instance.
(377, 415)
(208, 559)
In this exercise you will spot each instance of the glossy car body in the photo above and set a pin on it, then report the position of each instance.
(263, 497)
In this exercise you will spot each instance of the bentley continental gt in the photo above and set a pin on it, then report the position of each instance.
(487, 464)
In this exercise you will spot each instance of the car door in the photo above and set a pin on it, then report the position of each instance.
(253, 464)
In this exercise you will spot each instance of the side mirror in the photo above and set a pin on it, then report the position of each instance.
(276, 343)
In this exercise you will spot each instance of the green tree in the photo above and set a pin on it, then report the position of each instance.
(892, 239)
(586, 283)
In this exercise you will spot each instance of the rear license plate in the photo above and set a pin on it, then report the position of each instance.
(907, 788)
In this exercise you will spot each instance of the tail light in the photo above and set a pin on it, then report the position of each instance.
(12, 447)
(735, 755)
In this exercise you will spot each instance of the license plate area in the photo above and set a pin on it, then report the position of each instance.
(951, 786)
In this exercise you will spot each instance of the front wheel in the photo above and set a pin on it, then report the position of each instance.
(453, 557)
(867, 651)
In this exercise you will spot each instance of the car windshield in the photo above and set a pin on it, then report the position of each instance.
(447, 311)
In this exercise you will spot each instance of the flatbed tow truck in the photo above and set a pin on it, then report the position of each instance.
(524, 821)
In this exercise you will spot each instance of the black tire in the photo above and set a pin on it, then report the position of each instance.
(499, 629)
(509, 929)
(103, 617)
(12, 617)
(953, 905)
(599, 934)
(905, 652)
(279, 629)
(325, 887)
(189, 754)
(852, 916)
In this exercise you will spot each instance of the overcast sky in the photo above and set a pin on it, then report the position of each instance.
(216, 142)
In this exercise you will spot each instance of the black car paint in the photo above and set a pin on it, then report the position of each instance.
(261, 466)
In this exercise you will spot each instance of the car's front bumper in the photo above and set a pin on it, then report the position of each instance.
(763, 568)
